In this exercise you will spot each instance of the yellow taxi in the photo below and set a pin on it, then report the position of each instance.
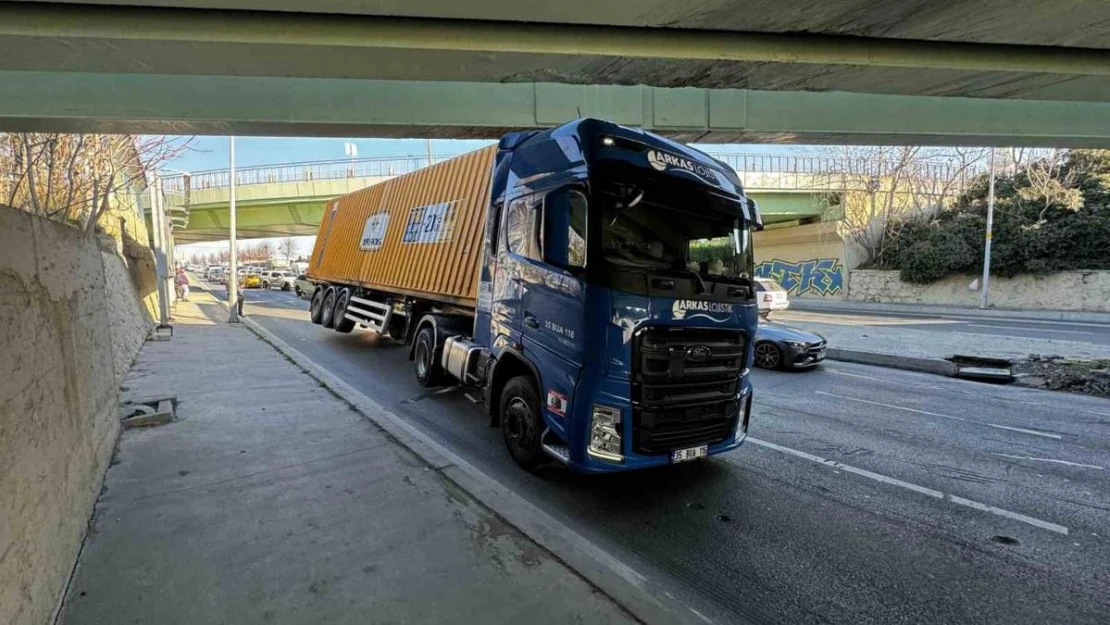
(250, 281)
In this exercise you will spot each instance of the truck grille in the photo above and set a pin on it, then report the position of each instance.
(685, 385)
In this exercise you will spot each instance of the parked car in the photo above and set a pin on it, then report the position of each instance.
(303, 286)
(779, 346)
(277, 280)
(771, 296)
(250, 281)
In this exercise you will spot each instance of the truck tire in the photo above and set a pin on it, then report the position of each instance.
(521, 421)
(284, 286)
(339, 321)
(327, 311)
(316, 306)
(428, 371)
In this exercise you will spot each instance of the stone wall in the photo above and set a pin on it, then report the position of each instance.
(70, 324)
(1067, 290)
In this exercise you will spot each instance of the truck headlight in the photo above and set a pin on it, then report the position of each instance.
(744, 416)
(605, 434)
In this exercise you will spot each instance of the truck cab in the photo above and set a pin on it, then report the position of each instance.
(616, 308)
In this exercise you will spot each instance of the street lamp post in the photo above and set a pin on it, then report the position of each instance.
(233, 271)
(157, 217)
(984, 295)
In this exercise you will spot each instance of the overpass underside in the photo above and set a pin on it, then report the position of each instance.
(967, 73)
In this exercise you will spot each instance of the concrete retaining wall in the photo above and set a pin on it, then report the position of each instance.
(808, 261)
(1067, 290)
(70, 324)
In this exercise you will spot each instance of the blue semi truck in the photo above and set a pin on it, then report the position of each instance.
(592, 284)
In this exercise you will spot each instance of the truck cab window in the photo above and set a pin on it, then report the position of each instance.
(522, 229)
(564, 228)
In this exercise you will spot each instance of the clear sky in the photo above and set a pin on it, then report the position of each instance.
(206, 153)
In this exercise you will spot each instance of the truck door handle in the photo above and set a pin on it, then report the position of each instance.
(531, 321)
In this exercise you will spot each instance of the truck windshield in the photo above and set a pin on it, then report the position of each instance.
(705, 234)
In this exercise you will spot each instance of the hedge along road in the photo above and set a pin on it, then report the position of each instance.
(864, 495)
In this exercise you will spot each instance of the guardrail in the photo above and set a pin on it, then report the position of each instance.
(813, 167)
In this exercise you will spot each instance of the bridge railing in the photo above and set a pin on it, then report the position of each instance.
(814, 168)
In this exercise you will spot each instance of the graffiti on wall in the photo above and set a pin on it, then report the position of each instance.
(816, 276)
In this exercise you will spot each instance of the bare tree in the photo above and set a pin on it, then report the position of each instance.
(76, 177)
(264, 250)
(288, 248)
(881, 188)
(1050, 183)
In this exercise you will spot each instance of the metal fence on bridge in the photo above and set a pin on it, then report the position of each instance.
(808, 172)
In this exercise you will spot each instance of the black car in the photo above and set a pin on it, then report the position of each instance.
(778, 346)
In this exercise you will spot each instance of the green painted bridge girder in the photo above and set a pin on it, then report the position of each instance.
(162, 104)
(297, 208)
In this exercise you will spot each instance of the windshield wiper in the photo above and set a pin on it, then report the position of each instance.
(686, 272)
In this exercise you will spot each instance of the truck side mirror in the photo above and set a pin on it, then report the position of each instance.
(754, 215)
(564, 228)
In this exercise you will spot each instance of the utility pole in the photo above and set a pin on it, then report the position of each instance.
(157, 219)
(233, 270)
(428, 146)
(984, 295)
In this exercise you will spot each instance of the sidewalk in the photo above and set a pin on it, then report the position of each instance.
(846, 306)
(897, 337)
(270, 500)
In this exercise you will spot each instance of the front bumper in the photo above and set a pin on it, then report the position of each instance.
(803, 357)
(615, 394)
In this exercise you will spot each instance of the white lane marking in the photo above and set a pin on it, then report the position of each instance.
(943, 416)
(935, 494)
(700, 615)
(1046, 525)
(1052, 460)
(850, 469)
(986, 325)
(865, 377)
(934, 387)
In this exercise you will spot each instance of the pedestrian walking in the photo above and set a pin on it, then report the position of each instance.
(182, 283)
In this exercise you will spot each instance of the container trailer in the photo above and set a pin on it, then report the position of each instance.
(591, 284)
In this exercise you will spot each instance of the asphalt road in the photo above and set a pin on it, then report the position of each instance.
(863, 495)
(1001, 327)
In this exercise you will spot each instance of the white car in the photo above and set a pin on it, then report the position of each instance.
(303, 287)
(278, 279)
(771, 296)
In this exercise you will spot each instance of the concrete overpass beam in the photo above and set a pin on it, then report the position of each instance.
(159, 104)
(314, 30)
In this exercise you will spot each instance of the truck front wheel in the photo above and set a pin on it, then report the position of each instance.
(428, 371)
(521, 423)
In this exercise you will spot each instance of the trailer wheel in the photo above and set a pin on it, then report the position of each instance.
(339, 321)
(428, 371)
(316, 306)
(521, 423)
(327, 311)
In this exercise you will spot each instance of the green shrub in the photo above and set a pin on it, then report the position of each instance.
(1030, 234)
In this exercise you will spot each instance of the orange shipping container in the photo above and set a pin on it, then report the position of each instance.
(419, 234)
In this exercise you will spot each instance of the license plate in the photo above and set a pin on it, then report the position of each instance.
(693, 453)
(820, 355)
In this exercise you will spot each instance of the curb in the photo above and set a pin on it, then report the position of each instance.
(626, 587)
(909, 363)
(927, 310)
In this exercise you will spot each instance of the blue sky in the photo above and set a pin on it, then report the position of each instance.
(211, 152)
